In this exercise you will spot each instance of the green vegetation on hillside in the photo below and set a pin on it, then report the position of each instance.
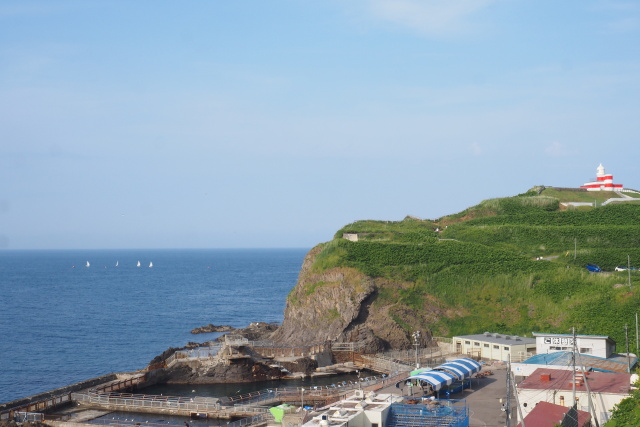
(482, 267)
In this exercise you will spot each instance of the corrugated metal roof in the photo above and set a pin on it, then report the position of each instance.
(556, 379)
(498, 339)
(617, 363)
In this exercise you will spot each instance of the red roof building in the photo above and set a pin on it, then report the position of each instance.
(547, 414)
(556, 386)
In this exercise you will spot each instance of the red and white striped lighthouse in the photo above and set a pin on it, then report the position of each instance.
(603, 182)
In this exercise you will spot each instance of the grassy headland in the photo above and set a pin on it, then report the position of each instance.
(481, 267)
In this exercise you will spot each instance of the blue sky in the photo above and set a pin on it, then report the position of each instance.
(220, 124)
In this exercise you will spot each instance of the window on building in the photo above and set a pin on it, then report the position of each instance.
(477, 344)
(506, 348)
(467, 342)
(497, 347)
(586, 350)
(486, 346)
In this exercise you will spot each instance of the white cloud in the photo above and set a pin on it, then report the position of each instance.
(556, 149)
(432, 17)
(476, 149)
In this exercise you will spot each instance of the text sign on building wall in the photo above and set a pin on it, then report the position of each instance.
(558, 340)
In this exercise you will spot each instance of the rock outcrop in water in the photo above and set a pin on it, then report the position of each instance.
(212, 328)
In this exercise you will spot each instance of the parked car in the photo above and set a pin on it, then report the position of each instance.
(621, 268)
(593, 268)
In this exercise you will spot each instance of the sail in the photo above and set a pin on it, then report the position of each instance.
(138, 263)
(116, 263)
(150, 264)
(88, 265)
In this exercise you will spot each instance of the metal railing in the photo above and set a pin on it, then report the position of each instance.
(22, 417)
(120, 384)
(38, 406)
(193, 354)
(385, 364)
(252, 421)
(312, 393)
(142, 401)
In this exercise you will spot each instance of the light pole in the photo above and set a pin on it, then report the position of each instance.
(416, 338)
(302, 397)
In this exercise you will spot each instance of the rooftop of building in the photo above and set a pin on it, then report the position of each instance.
(615, 363)
(557, 379)
(340, 413)
(499, 338)
(347, 411)
(547, 414)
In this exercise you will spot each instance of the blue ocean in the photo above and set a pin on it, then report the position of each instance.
(62, 321)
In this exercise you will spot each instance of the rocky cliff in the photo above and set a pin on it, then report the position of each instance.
(342, 305)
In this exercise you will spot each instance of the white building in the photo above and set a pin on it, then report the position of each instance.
(493, 346)
(592, 345)
(596, 392)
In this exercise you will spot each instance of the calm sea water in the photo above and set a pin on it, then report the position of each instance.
(62, 322)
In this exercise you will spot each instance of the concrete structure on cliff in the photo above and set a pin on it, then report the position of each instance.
(603, 182)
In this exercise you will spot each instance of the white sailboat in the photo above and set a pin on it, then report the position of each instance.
(116, 263)
(150, 264)
(138, 264)
(88, 265)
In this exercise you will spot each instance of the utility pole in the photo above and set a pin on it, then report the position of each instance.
(592, 407)
(575, 247)
(515, 393)
(507, 408)
(416, 339)
(573, 365)
(636, 332)
(626, 338)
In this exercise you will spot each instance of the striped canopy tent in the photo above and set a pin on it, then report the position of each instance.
(462, 368)
(449, 372)
(437, 379)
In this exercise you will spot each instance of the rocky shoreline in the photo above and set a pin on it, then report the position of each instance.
(328, 306)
